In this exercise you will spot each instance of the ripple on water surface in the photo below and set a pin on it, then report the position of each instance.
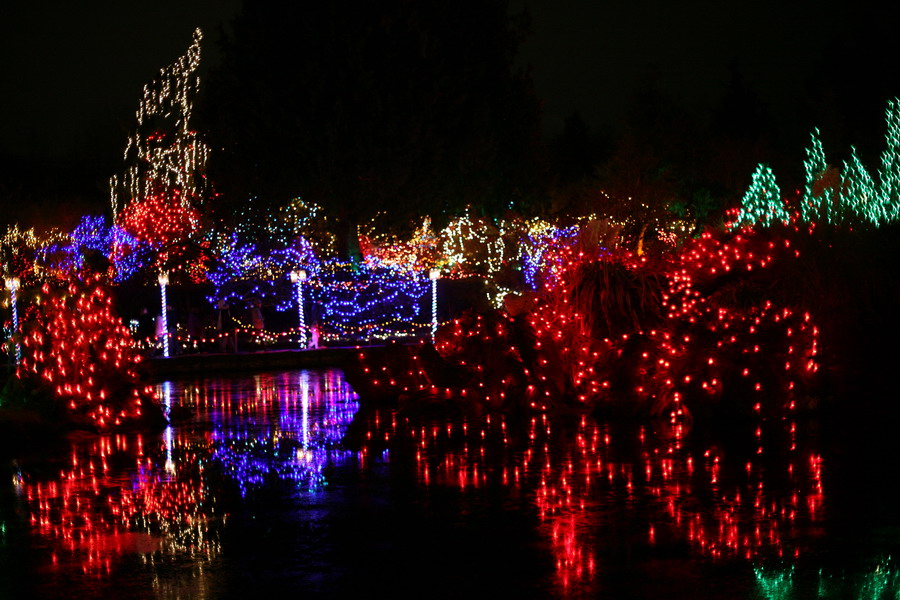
(280, 482)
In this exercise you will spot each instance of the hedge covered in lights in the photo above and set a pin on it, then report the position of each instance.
(77, 348)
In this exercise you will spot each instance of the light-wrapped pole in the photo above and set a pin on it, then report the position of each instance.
(298, 277)
(434, 275)
(163, 282)
(12, 284)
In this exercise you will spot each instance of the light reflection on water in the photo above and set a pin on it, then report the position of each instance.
(278, 479)
(282, 440)
(584, 479)
(157, 497)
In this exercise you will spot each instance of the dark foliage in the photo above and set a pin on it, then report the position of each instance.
(613, 298)
(400, 106)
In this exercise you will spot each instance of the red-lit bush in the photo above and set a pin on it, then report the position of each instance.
(76, 347)
(720, 319)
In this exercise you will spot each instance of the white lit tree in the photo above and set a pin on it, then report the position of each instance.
(158, 197)
(164, 153)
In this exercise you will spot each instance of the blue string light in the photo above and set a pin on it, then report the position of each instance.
(297, 448)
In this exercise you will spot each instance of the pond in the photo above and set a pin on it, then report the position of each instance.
(280, 483)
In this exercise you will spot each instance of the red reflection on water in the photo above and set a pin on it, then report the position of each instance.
(581, 479)
(94, 512)
(145, 494)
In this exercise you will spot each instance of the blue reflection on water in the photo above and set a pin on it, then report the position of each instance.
(294, 434)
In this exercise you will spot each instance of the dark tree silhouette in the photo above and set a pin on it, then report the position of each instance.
(577, 150)
(742, 135)
(396, 106)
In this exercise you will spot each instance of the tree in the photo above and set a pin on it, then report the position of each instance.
(164, 154)
(638, 188)
(889, 174)
(158, 198)
(763, 203)
(78, 349)
(861, 197)
(815, 199)
(401, 106)
(854, 195)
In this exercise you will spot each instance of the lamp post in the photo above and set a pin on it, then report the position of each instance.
(298, 277)
(434, 274)
(163, 282)
(12, 284)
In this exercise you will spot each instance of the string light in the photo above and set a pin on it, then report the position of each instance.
(12, 284)
(594, 335)
(850, 197)
(77, 348)
(370, 299)
(22, 253)
(434, 274)
(814, 198)
(164, 309)
(156, 200)
(298, 277)
(762, 203)
(165, 160)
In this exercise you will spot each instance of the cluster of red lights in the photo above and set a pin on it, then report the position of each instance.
(707, 329)
(169, 226)
(76, 347)
(94, 514)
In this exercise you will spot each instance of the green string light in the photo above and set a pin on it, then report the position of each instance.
(815, 165)
(860, 199)
(850, 198)
(762, 202)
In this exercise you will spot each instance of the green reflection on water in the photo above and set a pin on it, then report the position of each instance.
(878, 582)
(775, 585)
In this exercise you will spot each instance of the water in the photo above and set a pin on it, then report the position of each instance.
(280, 483)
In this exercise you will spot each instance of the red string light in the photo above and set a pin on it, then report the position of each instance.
(77, 349)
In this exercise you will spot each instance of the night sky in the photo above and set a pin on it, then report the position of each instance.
(826, 64)
(73, 72)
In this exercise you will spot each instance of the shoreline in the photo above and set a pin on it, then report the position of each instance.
(189, 365)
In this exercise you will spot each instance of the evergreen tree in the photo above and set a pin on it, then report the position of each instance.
(157, 199)
(860, 199)
(76, 347)
(815, 201)
(889, 175)
(164, 155)
(762, 203)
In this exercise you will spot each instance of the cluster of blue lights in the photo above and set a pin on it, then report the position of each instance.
(536, 243)
(126, 254)
(370, 300)
(304, 442)
(244, 273)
